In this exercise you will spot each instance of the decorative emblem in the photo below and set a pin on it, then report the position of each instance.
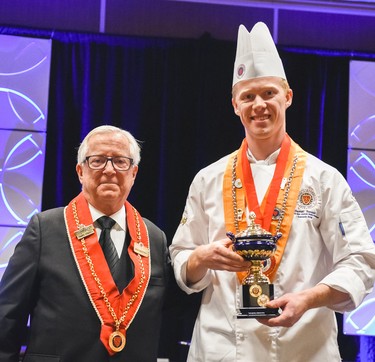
(184, 218)
(117, 341)
(267, 264)
(307, 199)
(238, 184)
(239, 214)
(255, 290)
(84, 231)
(263, 300)
(140, 249)
(283, 183)
(276, 214)
(241, 70)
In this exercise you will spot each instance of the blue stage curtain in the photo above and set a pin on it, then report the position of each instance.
(174, 95)
(367, 349)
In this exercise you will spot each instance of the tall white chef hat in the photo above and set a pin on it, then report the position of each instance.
(256, 55)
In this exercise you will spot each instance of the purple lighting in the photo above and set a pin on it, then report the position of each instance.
(24, 82)
(361, 173)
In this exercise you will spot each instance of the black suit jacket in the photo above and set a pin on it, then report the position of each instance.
(42, 280)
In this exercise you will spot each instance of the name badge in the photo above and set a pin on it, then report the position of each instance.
(140, 249)
(84, 231)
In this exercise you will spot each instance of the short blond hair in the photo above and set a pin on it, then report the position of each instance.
(284, 84)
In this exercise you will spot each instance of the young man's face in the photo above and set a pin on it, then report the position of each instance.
(261, 104)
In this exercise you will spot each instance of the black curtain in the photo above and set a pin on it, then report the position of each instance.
(175, 97)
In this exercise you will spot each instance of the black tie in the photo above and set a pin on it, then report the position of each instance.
(109, 250)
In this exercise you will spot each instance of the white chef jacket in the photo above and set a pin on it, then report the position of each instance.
(328, 243)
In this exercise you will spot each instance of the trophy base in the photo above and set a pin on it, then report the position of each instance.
(257, 312)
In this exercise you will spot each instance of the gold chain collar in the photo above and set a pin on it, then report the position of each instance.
(283, 205)
(117, 339)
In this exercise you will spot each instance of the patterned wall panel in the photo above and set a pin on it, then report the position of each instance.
(24, 83)
(361, 172)
(361, 137)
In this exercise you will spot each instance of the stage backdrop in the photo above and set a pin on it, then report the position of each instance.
(175, 97)
(24, 85)
(361, 177)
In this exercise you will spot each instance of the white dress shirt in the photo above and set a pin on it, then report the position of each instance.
(118, 230)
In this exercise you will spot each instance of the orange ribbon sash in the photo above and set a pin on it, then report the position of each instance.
(126, 303)
(291, 161)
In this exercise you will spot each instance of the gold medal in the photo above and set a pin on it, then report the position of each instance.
(255, 290)
(263, 300)
(117, 341)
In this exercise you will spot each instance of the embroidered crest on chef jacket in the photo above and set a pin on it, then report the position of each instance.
(306, 204)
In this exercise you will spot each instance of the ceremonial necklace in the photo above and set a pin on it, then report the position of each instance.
(283, 205)
(117, 339)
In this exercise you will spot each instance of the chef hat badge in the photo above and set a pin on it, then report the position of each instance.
(256, 55)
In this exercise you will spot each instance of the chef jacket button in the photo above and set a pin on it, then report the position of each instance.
(240, 336)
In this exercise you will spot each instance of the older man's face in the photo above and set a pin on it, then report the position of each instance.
(108, 188)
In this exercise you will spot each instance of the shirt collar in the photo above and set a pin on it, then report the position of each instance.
(119, 216)
(270, 160)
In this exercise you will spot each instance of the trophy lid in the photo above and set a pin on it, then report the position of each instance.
(254, 231)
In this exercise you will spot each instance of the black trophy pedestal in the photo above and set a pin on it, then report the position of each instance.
(258, 312)
(251, 307)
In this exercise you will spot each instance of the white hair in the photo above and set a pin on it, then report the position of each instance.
(134, 147)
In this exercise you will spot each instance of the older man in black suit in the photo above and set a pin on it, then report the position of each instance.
(81, 307)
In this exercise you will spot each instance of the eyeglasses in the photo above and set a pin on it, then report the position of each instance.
(119, 163)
